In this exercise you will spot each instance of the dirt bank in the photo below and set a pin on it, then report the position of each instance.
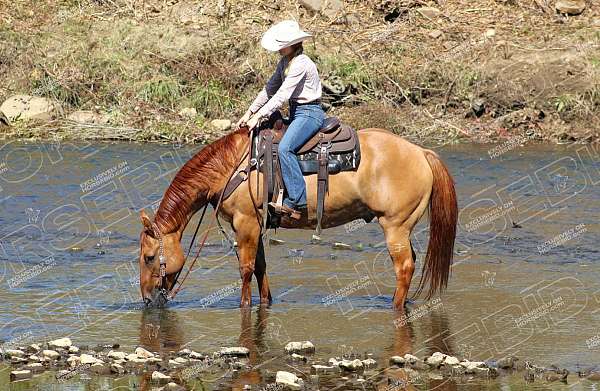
(475, 71)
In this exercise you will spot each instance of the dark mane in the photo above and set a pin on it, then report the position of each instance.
(196, 179)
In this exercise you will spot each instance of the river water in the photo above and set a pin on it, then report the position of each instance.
(524, 281)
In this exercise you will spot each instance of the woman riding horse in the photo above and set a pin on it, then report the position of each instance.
(396, 181)
(295, 79)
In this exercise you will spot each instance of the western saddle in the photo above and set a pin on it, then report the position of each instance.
(333, 149)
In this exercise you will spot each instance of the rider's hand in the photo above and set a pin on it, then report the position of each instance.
(252, 122)
(244, 120)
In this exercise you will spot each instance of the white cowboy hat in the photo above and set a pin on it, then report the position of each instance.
(283, 34)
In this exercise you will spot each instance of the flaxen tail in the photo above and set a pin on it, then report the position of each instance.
(443, 216)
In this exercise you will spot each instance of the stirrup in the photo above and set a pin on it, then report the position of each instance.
(283, 209)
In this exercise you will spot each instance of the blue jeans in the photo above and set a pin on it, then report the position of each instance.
(305, 122)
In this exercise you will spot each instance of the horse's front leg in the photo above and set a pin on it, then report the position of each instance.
(247, 234)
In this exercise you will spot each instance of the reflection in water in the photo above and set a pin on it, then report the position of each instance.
(161, 330)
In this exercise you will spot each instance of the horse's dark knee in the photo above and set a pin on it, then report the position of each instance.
(246, 272)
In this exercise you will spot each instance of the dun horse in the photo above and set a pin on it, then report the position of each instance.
(396, 182)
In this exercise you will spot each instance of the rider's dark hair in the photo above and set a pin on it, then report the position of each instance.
(297, 48)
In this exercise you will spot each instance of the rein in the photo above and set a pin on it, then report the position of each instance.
(169, 294)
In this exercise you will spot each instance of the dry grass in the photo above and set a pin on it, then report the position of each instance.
(143, 61)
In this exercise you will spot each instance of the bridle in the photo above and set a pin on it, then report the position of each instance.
(162, 271)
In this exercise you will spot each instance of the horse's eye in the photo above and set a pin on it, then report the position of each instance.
(149, 259)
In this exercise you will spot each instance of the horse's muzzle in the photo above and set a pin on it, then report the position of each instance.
(158, 300)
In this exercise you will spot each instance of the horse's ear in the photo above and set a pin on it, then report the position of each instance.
(146, 223)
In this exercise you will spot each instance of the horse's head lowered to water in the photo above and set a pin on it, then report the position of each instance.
(161, 258)
(197, 183)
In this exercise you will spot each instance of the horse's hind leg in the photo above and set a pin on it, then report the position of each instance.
(260, 271)
(397, 238)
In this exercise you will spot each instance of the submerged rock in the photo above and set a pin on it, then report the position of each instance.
(117, 368)
(117, 355)
(159, 377)
(322, 369)
(351, 365)
(14, 353)
(300, 347)
(507, 362)
(34, 367)
(34, 348)
(234, 351)
(398, 360)
(369, 363)
(100, 369)
(61, 343)
(20, 375)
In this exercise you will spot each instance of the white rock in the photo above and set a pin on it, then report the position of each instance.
(397, 360)
(73, 349)
(288, 379)
(34, 358)
(490, 33)
(117, 368)
(316, 368)
(571, 7)
(181, 360)
(351, 365)
(34, 348)
(334, 362)
(299, 347)
(143, 353)
(73, 361)
(429, 12)
(436, 359)
(89, 359)
(61, 343)
(296, 356)
(14, 353)
(188, 112)
(196, 356)
(28, 107)
(450, 360)
(234, 351)
(35, 367)
(51, 354)
(369, 363)
(160, 377)
(221, 124)
(410, 359)
(184, 352)
(131, 356)
(19, 375)
(89, 117)
(472, 364)
(117, 355)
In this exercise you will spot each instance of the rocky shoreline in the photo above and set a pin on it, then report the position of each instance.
(173, 370)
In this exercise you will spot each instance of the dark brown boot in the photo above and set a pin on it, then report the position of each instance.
(283, 209)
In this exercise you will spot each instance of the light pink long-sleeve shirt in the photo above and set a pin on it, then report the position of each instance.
(302, 84)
